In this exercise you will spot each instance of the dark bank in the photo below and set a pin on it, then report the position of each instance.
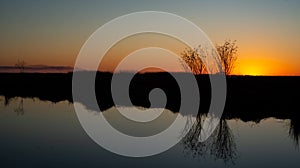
(248, 97)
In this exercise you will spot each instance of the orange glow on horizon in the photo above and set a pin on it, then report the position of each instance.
(252, 70)
(263, 66)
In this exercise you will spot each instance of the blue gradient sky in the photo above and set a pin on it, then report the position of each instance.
(52, 32)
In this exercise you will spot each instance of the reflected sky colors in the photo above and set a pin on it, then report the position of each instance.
(49, 134)
(52, 32)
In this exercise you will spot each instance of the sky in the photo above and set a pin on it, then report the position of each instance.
(52, 32)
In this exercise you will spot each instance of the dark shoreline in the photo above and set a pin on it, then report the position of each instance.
(250, 98)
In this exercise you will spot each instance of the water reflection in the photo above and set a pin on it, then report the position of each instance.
(222, 140)
(220, 145)
(20, 108)
(51, 130)
(294, 131)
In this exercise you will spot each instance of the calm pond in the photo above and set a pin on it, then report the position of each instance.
(37, 133)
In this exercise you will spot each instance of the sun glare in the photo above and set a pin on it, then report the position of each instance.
(263, 66)
(252, 70)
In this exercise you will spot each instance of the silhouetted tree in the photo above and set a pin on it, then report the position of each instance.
(20, 65)
(228, 54)
(193, 59)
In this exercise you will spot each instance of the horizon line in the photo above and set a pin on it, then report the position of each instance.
(38, 68)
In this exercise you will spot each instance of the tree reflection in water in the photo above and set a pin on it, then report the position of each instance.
(294, 131)
(20, 108)
(220, 145)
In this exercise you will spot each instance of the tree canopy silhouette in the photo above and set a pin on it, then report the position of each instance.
(227, 52)
(192, 58)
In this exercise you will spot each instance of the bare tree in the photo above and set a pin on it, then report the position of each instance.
(192, 58)
(228, 53)
(20, 65)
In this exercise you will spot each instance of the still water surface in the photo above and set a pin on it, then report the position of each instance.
(37, 133)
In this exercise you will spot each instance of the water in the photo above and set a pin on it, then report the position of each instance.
(37, 133)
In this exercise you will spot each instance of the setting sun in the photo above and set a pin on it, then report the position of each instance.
(252, 70)
(149, 83)
(263, 66)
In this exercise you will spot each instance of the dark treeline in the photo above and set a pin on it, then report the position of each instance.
(249, 98)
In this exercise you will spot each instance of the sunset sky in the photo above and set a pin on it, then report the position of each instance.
(52, 32)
